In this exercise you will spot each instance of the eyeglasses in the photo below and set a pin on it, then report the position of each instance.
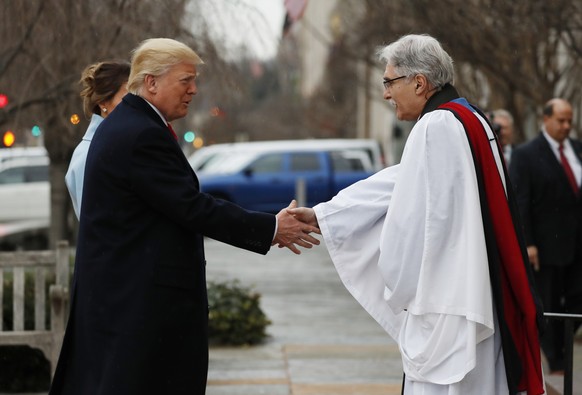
(388, 82)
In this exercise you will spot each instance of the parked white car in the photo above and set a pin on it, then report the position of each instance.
(8, 154)
(24, 195)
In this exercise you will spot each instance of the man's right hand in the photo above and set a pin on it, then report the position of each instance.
(291, 231)
(532, 253)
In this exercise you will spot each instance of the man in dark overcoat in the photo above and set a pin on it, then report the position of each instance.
(139, 310)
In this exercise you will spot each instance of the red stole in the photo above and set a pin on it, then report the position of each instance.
(518, 308)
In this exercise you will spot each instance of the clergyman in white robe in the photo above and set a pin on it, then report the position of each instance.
(409, 245)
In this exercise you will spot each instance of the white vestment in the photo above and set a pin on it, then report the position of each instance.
(409, 245)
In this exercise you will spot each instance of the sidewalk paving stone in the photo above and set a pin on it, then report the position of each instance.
(321, 340)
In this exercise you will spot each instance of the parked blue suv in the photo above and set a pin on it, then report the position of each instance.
(268, 179)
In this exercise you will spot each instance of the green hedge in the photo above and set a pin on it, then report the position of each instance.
(235, 316)
(23, 369)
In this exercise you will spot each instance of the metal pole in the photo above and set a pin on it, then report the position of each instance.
(569, 320)
(300, 192)
(568, 356)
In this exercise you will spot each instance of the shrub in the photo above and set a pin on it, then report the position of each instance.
(235, 316)
(24, 369)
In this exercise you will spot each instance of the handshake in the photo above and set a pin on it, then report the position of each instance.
(294, 225)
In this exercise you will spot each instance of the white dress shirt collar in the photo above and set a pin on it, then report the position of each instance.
(157, 111)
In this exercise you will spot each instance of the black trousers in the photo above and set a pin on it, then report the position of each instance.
(560, 288)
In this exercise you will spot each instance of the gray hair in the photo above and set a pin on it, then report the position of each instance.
(156, 56)
(503, 113)
(419, 54)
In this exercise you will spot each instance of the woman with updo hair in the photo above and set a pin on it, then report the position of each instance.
(103, 86)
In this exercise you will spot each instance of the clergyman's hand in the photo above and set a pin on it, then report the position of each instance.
(304, 214)
(291, 231)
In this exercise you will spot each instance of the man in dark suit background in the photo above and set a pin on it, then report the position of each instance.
(139, 310)
(503, 120)
(547, 182)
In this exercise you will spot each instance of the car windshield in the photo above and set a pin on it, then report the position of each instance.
(227, 162)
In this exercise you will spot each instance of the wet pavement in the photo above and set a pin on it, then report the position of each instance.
(321, 342)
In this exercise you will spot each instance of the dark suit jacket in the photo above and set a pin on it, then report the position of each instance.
(550, 211)
(139, 311)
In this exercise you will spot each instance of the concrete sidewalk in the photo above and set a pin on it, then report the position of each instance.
(321, 341)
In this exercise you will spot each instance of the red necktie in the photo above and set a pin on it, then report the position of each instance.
(568, 170)
(172, 130)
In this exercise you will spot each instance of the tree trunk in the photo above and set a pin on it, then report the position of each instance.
(60, 204)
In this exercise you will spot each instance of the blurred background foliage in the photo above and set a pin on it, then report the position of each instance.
(514, 55)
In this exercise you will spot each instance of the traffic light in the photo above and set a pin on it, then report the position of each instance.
(36, 131)
(198, 142)
(8, 139)
(189, 136)
(3, 100)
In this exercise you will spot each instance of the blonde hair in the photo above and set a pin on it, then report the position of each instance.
(100, 82)
(155, 56)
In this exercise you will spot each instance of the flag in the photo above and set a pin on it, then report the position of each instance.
(294, 11)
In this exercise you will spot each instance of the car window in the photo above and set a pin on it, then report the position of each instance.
(305, 162)
(342, 162)
(14, 175)
(227, 162)
(23, 174)
(36, 173)
(267, 164)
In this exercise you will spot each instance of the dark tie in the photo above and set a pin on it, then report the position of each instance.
(172, 131)
(568, 170)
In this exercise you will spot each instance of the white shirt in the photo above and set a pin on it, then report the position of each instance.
(568, 153)
(507, 151)
(157, 112)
